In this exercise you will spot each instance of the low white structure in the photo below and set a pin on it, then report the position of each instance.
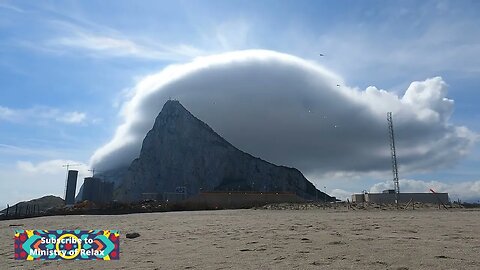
(389, 197)
(358, 198)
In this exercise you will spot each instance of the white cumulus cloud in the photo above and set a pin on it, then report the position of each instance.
(26, 180)
(340, 194)
(38, 114)
(293, 112)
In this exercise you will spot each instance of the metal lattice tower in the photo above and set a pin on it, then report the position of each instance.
(396, 186)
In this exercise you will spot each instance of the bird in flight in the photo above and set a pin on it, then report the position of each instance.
(321, 54)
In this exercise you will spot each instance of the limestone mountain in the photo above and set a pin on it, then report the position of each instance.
(180, 151)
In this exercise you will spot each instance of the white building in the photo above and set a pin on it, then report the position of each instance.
(388, 196)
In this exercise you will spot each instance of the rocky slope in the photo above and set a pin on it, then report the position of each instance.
(42, 203)
(182, 151)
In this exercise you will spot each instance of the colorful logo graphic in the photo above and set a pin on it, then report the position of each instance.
(67, 245)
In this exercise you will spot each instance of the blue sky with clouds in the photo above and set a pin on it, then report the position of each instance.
(66, 67)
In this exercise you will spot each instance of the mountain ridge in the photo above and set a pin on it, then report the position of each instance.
(182, 151)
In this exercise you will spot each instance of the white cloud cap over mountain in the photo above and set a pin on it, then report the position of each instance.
(293, 112)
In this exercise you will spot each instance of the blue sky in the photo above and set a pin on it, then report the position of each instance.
(67, 66)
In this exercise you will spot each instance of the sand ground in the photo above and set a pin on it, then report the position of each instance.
(273, 239)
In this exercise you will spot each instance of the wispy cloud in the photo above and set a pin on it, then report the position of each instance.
(100, 41)
(233, 35)
(72, 117)
(42, 114)
(6, 113)
(54, 166)
(13, 150)
(11, 7)
(401, 47)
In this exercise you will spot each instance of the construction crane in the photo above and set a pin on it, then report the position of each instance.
(96, 173)
(93, 171)
(70, 165)
(396, 185)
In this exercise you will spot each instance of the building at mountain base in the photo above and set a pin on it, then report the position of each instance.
(96, 190)
(242, 199)
(387, 197)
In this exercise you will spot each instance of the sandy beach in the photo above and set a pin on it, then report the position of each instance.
(273, 239)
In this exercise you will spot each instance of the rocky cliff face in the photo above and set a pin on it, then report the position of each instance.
(182, 151)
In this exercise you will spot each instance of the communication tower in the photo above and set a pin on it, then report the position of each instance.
(396, 186)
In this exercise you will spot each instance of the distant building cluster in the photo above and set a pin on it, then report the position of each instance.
(388, 197)
(96, 190)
